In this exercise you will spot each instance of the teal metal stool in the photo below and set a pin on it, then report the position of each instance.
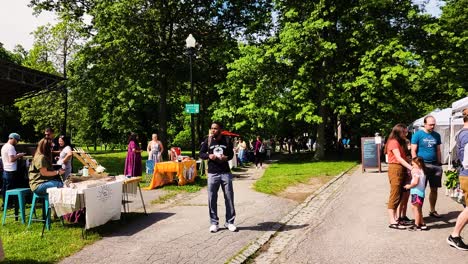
(21, 193)
(45, 210)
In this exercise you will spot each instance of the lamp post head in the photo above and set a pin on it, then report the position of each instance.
(190, 41)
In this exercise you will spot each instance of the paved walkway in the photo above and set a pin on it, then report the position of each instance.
(347, 223)
(180, 233)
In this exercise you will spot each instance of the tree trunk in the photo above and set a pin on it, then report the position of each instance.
(163, 112)
(320, 146)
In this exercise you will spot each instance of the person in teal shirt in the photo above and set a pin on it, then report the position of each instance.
(425, 143)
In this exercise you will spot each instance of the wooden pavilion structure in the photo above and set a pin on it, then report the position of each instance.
(21, 82)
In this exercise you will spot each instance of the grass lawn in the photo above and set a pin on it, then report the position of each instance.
(25, 245)
(298, 168)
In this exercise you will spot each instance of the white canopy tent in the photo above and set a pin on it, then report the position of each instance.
(458, 106)
(445, 125)
(456, 118)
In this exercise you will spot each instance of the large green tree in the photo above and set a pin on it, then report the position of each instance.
(53, 47)
(352, 62)
(448, 48)
(136, 63)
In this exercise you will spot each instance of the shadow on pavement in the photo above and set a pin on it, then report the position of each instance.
(242, 176)
(135, 222)
(270, 226)
(440, 223)
(239, 169)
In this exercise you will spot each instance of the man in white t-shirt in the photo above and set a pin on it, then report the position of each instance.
(9, 159)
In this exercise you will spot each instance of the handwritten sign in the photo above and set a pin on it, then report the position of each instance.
(370, 153)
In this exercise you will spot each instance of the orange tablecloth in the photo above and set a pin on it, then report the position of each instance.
(164, 173)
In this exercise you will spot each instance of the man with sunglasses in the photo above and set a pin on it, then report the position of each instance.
(425, 143)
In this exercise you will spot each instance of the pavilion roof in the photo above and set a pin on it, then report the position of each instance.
(21, 82)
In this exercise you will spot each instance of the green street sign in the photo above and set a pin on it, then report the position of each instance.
(192, 108)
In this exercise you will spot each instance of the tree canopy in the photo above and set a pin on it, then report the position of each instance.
(274, 68)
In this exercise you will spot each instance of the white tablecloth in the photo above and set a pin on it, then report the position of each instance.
(103, 200)
(103, 203)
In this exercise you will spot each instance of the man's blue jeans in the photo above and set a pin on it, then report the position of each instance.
(8, 182)
(215, 180)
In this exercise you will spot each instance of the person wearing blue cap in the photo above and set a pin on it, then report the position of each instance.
(10, 164)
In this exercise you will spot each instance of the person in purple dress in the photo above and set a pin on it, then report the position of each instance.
(133, 161)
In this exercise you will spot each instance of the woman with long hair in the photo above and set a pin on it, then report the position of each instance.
(397, 165)
(133, 161)
(65, 156)
(41, 174)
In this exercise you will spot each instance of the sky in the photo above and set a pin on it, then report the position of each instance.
(17, 22)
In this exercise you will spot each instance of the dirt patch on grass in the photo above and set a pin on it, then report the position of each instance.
(301, 191)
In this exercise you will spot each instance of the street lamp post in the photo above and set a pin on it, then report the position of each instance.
(190, 44)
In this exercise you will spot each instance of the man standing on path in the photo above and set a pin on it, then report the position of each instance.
(454, 239)
(218, 150)
(10, 164)
(425, 143)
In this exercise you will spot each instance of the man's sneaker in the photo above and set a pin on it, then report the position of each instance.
(231, 227)
(457, 243)
(214, 228)
(405, 218)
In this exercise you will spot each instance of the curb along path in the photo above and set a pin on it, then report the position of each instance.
(292, 224)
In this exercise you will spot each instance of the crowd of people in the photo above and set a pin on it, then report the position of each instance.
(414, 163)
(256, 150)
(42, 175)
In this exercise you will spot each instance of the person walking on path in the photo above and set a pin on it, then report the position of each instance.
(397, 166)
(133, 160)
(418, 187)
(454, 239)
(10, 164)
(259, 152)
(218, 150)
(425, 143)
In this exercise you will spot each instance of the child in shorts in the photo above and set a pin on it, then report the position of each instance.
(418, 187)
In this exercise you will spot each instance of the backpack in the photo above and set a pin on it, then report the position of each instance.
(459, 150)
(262, 148)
